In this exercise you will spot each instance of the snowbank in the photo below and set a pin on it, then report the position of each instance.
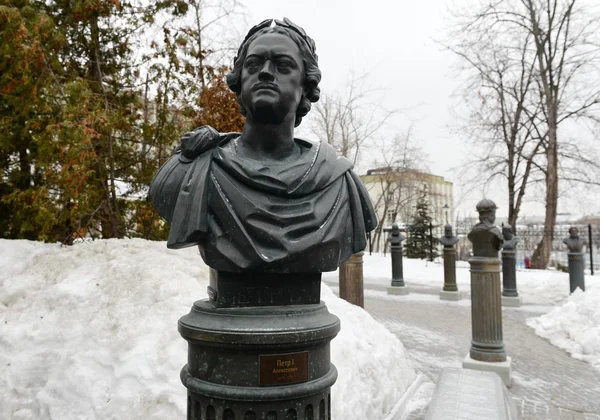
(89, 332)
(574, 326)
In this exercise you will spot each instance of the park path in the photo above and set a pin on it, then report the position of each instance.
(548, 384)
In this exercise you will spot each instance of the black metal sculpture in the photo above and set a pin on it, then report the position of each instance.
(576, 259)
(269, 213)
(262, 200)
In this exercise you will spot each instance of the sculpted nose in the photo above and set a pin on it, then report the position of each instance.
(266, 72)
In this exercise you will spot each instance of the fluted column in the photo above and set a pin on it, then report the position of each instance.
(487, 344)
(510, 296)
(450, 269)
(450, 290)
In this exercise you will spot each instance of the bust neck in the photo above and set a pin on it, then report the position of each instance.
(262, 141)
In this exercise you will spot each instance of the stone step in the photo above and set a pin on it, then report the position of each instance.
(465, 394)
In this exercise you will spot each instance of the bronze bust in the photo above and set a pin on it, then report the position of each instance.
(574, 242)
(262, 200)
(486, 237)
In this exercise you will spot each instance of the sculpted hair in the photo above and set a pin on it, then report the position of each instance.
(312, 74)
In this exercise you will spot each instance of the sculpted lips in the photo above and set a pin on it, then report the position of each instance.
(265, 85)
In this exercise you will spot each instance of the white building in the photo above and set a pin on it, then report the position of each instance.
(394, 193)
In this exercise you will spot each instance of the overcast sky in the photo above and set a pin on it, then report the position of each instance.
(394, 42)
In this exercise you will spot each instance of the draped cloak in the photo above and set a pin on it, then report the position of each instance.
(308, 215)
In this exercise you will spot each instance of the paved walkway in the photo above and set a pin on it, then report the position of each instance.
(547, 382)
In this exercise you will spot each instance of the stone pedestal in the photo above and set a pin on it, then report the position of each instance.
(512, 301)
(503, 369)
(454, 296)
(576, 271)
(351, 280)
(398, 290)
(259, 349)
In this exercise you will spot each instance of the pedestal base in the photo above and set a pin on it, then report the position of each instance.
(400, 290)
(503, 369)
(512, 301)
(444, 295)
(258, 362)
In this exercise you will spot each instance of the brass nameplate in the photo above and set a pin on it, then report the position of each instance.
(282, 369)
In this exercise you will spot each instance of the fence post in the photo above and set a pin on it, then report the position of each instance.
(591, 246)
(430, 241)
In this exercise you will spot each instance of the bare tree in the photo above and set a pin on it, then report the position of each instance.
(501, 113)
(347, 121)
(556, 41)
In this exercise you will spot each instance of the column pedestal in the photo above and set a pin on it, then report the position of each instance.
(487, 346)
(259, 362)
(351, 280)
(398, 286)
(450, 290)
(510, 296)
(576, 274)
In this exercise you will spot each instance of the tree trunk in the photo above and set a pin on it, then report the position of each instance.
(541, 256)
(111, 222)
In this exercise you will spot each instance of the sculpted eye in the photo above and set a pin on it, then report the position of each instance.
(284, 66)
(252, 64)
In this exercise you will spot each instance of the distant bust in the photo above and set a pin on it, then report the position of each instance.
(510, 240)
(395, 237)
(262, 200)
(574, 242)
(448, 240)
(486, 237)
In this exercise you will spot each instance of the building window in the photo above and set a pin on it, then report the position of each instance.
(391, 216)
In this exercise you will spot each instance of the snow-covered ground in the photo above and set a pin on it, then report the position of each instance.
(89, 332)
(571, 322)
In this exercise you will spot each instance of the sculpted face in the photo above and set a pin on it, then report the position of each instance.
(272, 78)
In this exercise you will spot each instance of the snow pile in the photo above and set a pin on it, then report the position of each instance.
(574, 326)
(89, 332)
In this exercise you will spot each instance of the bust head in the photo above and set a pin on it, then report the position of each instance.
(574, 232)
(283, 48)
(448, 231)
(507, 232)
(487, 211)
